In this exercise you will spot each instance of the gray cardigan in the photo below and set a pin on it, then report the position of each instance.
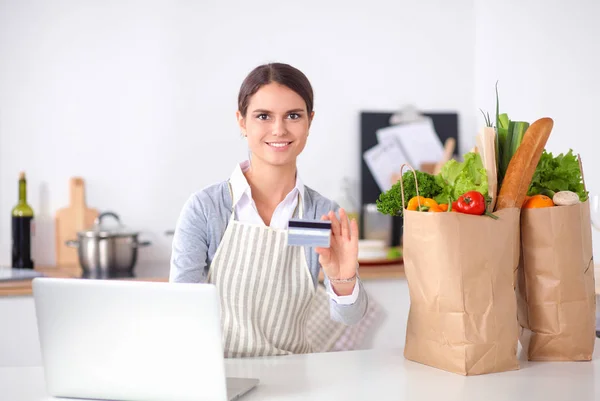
(202, 224)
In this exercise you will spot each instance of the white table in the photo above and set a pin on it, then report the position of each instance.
(374, 375)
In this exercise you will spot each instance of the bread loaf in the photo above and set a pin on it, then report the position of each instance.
(523, 164)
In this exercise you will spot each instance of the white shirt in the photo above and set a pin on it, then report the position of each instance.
(246, 211)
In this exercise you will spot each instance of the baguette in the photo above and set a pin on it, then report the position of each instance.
(523, 164)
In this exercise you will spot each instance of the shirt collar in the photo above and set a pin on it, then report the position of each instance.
(241, 188)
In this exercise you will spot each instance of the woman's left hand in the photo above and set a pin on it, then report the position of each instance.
(340, 260)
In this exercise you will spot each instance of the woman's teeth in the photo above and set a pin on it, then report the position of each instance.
(278, 144)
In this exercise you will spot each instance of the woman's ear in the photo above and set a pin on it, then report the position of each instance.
(241, 122)
(310, 119)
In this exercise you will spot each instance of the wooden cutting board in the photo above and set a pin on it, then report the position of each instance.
(71, 219)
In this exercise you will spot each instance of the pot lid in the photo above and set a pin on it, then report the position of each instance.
(102, 229)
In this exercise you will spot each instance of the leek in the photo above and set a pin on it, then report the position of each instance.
(517, 137)
(509, 135)
(498, 150)
(506, 150)
(503, 128)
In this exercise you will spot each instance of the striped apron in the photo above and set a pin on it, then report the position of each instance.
(269, 304)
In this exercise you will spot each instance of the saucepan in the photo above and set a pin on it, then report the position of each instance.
(110, 250)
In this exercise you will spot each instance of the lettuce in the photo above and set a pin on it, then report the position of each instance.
(457, 178)
(560, 173)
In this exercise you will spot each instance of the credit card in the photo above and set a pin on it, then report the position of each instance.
(310, 233)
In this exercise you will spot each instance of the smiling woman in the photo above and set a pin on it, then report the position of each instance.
(233, 233)
(275, 119)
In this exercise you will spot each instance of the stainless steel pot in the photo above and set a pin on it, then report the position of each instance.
(105, 250)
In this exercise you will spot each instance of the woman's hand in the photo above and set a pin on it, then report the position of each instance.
(340, 260)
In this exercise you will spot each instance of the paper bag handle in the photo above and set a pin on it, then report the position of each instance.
(402, 185)
(581, 169)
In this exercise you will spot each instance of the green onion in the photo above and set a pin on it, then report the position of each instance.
(509, 135)
(498, 150)
(517, 137)
(486, 117)
(504, 120)
(507, 150)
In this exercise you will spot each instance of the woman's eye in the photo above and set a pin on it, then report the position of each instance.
(294, 116)
(262, 116)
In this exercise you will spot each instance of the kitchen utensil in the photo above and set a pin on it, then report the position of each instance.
(372, 249)
(375, 253)
(69, 220)
(107, 250)
(376, 225)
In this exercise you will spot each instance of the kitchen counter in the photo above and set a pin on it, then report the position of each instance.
(373, 375)
(160, 272)
(143, 272)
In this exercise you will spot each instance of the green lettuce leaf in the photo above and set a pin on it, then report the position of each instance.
(560, 173)
(457, 178)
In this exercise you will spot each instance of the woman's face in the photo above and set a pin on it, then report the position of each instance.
(276, 124)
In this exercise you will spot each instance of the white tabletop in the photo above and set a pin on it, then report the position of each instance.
(374, 375)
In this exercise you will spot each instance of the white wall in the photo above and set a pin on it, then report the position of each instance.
(546, 56)
(139, 97)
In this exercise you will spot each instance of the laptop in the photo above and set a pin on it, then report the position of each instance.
(132, 341)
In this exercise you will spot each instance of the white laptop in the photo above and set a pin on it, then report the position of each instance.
(133, 341)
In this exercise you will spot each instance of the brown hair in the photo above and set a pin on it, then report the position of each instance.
(283, 74)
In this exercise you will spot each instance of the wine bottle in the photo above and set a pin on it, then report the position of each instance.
(22, 223)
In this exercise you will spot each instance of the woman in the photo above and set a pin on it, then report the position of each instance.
(233, 234)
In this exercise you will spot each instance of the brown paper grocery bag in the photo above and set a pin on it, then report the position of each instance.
(556, 296)
(461, 275)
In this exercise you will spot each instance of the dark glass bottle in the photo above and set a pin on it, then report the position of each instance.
(22, 225)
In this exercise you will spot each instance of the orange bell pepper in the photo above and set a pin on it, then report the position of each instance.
(413, 203)
(435, 208)
(417, 201)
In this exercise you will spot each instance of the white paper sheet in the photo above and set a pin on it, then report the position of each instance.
(417, 140)
(386, 136)
(384, 161)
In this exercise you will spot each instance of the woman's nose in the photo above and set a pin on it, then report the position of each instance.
(279, 127)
